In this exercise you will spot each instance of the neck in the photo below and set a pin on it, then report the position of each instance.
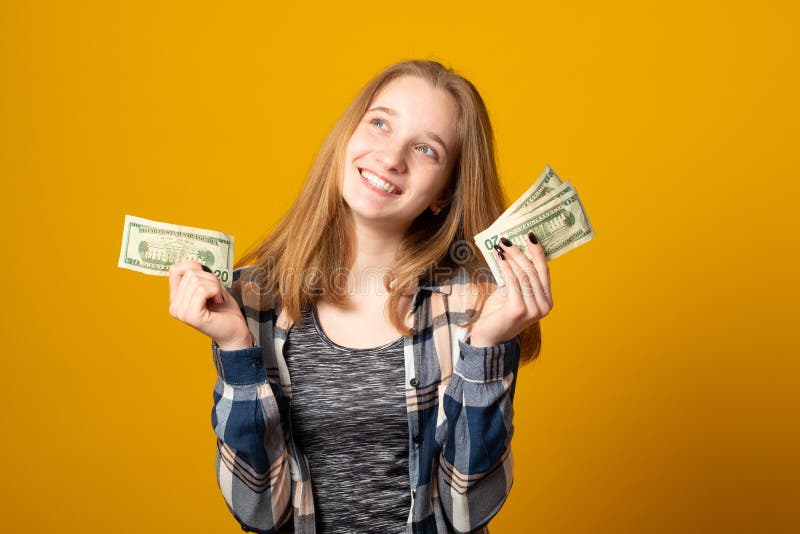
(376, 248)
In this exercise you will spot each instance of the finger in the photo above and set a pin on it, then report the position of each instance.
(539, 259)
(215, 295)
(198, 310)
(176, 272)
(185, 276)
(512, 289)
(218, 294)
(196, 300)
(183, 291)
(529, 277)
(527, 289)
(187, 286)
(219, 299)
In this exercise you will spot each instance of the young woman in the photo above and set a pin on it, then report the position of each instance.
(366, 366)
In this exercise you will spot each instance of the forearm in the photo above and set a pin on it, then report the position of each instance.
(249, 421)
(476, 464)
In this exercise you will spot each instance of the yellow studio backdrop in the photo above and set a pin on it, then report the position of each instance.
(667, 394)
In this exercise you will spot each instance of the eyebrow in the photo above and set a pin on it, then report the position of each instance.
(429, 133)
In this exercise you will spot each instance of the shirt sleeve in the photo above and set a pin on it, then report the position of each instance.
(249, 418)
(476, 464)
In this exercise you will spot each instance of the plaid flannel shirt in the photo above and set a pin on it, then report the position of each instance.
(459, 404)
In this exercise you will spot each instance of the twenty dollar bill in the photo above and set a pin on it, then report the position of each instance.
(551, 209)
(151, 247)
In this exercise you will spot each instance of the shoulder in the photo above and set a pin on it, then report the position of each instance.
(463, 289)
(250, 290)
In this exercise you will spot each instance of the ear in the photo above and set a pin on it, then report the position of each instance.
(435, 208)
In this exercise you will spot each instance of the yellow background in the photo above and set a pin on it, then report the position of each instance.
(667, 396)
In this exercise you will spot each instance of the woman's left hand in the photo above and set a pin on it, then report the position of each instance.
(516, 306)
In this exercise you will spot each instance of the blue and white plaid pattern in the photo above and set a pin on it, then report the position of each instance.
(459, 404)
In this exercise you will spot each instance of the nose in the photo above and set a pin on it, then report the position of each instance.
(392, 157)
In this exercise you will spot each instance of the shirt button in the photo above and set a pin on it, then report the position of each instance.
(414, 382)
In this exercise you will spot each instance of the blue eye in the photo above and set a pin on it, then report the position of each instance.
(430, 151)
(378, 122)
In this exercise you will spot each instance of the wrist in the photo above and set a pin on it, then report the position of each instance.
(478, 339)
(237, 343)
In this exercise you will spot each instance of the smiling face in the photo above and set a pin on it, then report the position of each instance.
(401, 154)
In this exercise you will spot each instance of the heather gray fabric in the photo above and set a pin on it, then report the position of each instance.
(348, 413)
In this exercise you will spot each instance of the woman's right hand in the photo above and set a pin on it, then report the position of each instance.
(198, 298)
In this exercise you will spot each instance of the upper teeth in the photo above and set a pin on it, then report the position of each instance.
(375, 180)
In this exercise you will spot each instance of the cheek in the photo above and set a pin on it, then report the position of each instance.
(438, 183)
(356, 146)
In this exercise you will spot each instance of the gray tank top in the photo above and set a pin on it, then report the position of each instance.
(349, 417)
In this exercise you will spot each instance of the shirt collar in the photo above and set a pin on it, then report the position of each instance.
(432, 286)
(424, 287)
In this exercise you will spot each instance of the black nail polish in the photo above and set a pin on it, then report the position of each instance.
(502, 256)
(532, 238)
(505, 241)
(206, 269)
(498, 249)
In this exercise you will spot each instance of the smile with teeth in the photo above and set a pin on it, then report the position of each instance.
(376, 180)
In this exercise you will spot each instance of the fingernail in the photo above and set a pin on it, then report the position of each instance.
(505, 241)
(498, 249)
(502, 256)
(532, 238)
(206, 269)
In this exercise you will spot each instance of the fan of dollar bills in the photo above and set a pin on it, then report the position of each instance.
(551, 210)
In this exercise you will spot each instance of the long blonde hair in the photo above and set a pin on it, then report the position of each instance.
(313, 243)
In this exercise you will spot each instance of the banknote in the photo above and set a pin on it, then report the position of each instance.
(556, 217)
(150, 247)
(547, 183)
